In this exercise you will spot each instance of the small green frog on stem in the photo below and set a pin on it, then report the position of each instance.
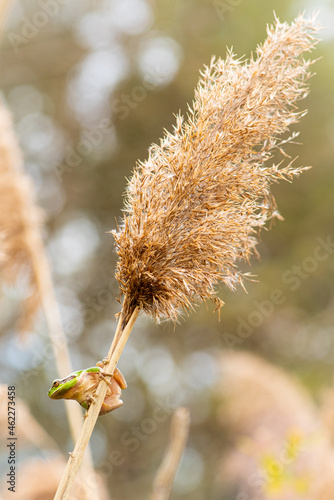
(81, 387)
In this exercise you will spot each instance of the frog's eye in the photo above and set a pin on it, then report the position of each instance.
(55, 383)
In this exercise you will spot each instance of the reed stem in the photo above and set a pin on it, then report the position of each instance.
(44, 283)
(163, 481)
(4, 11)
(120, 338)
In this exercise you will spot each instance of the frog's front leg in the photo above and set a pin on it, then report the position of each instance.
(118, 376)
(102, 373)
(89, 400)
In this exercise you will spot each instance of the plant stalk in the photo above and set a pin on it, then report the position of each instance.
(163, 481)
(4, 11)
(120, 338)
(44, 282)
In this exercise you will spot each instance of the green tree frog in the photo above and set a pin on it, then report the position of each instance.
(81, 387)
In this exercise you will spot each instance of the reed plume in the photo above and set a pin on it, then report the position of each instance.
(275, 432)
(20, 218)
(194, 208)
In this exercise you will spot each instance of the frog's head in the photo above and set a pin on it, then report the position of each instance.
(62, 387)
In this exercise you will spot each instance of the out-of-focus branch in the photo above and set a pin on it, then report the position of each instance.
(22, 248)
(49, 302)
(164, 478)
(4, 10)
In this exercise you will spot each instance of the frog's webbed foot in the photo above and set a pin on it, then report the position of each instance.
(118, 376)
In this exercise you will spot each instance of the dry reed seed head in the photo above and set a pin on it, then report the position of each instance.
(265, 410)
(195, 206)
(255, 395)
(20, 218)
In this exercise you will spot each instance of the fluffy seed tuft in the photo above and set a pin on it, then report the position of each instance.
(195, 206)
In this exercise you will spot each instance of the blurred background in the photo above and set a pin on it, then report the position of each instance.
(91, 85)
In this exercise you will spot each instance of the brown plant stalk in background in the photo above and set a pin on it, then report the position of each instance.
(163, 481)
(194, 208)
(20, 219)
(22, 253)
